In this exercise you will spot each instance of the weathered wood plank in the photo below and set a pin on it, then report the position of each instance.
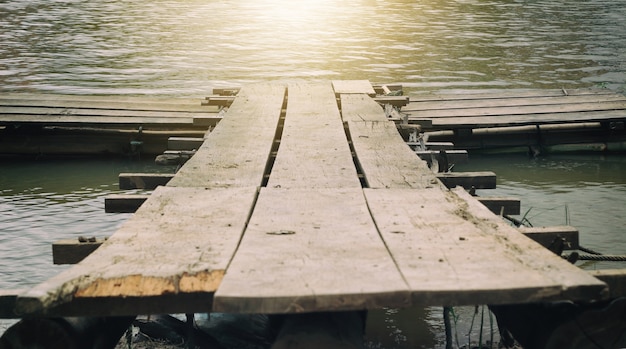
(454, 251)
(310, 250)
(104, 102)
(149, 181)
(123, 203)
(386, 161)
(546, 235)
(505, 120)
(499, 93)
(396, 101)
(72, 251)
(501, 205)
(237, 151)
(453, 105)
(353, 86)
(85, 121)
(61, 113)
(314, 151)
(177, 244)
(537, 110)
(467, 180)
(454, 156)
(7, 302)
(615, 278)
(184, 143)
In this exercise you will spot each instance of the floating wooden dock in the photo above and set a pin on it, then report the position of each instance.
(304, 199)
(491, 119)
(49, 124)
(294, 205)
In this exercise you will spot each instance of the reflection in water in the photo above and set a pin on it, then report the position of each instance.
(188, 47)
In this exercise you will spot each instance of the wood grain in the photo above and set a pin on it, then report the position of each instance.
(454, 251)
(178, 242)
(310, 250)
(314, 151)
(237, 151)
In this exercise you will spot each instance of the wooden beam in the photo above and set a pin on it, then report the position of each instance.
(467, 180)
(381, 89)
(501, 205)
(148, 181)
(615, 278)
(453, 156)
(547, 235)
(206, 121)
(396, 101)
(184, 143)
(220, 101)
(226, 91)
(123, 203)
(7, 303)
(72, 251)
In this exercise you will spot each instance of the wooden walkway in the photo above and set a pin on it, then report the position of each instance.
(293, 204)
(471, 110)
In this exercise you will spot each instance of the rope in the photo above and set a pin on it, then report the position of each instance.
(595, 257)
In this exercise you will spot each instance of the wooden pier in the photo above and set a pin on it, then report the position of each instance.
(538, 119)
(305, 199)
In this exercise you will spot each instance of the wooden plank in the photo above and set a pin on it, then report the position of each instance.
(72, 251)
(220, 101)
(531, 119)
(62, 113)
(453, 251)
(382, 155)
(536, 110)
(175, 248)
(314, 151)
(7, 303)
(353, 86)
(468, 180)
(615, 278)
(104, 102)
(452, 105)
(184, 143)
(396, 101)
(149, 181)
(237, 151)
(123, 203)
(547, 235)
(103, 122)
(452, 95)
(501, 205)
(310, 250)
(454, 156)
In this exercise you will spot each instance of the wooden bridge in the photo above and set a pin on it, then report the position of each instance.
(304, 199)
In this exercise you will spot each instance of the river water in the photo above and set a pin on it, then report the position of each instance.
(186, 48)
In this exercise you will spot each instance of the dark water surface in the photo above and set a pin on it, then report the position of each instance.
(186, 48)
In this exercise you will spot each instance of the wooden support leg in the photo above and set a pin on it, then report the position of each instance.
(65, 333)
(336, 330)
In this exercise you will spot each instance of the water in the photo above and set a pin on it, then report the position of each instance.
(186, 48)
